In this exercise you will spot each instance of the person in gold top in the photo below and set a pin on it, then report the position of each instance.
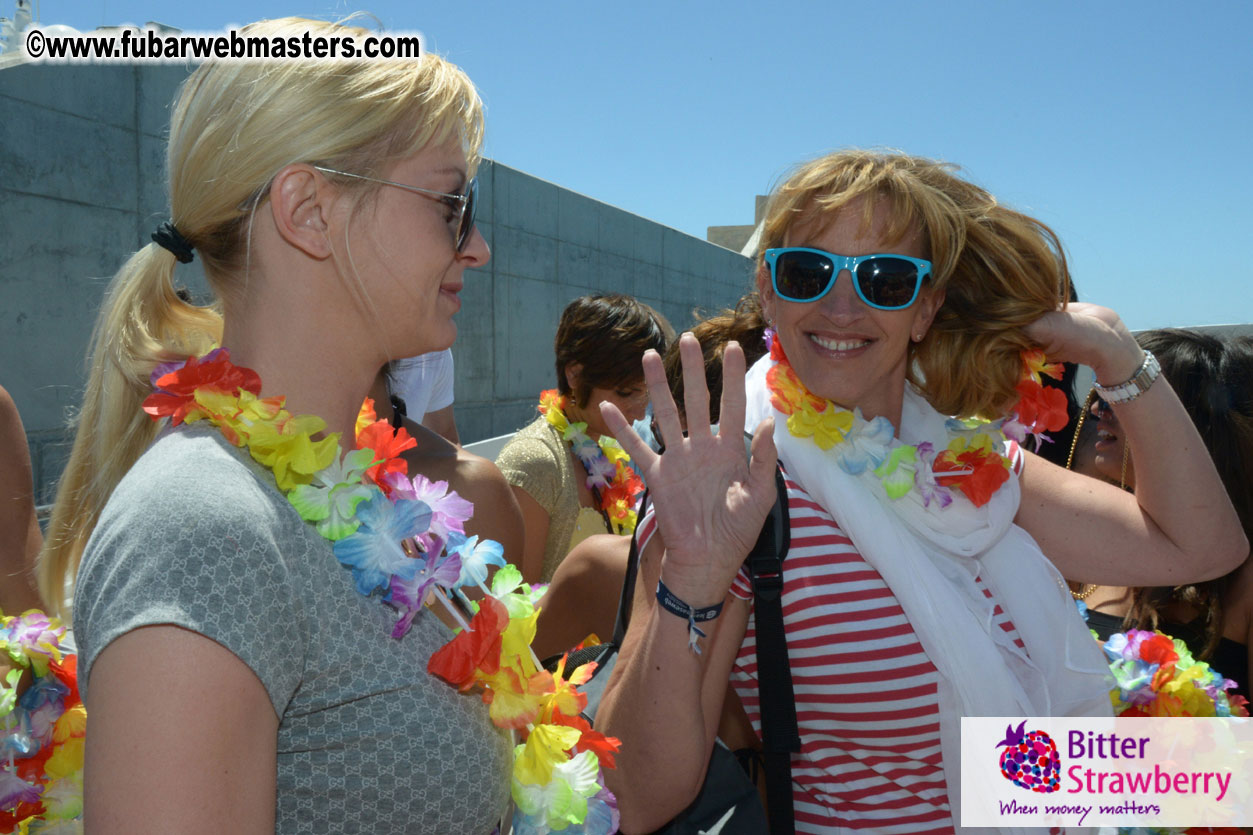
(599, 343)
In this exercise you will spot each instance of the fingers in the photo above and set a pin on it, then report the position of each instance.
(695, 387)
(621, 429)
(665, 413)
(764, 455)
(731, 417)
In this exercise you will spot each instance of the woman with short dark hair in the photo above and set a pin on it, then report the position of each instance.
(569, 475)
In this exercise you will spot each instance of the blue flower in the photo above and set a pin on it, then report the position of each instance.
(374, 552)
(475, 558)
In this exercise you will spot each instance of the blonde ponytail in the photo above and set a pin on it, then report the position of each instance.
(143, 323)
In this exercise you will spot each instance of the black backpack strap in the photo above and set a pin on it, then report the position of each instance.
(623, 618)
(779, 734)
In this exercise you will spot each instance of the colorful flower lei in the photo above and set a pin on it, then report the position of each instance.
(41, 780)
(404, 539)
(1157, 676)
(971, 462)
(609, 474)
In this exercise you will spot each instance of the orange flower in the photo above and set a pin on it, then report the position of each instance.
(1035, 364)
(619, 497)
(604, 747)
(515, 701)
(549, 398)
(365, 417)
(386, 443)
(788, 393)
(988, 469)
(563, 696)
(1041, 408)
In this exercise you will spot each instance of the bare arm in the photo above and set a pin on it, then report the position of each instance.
(20, 537)
(535, 520)
(442, 422)
(496, 512)
(582, 597)
(183, 739)
(1179, 526)
(663, 701)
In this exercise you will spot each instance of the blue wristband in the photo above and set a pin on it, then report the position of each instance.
(673, 604)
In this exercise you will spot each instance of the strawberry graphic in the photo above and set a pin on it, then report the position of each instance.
(1030, 760)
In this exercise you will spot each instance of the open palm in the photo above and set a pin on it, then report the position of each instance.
(710, 499)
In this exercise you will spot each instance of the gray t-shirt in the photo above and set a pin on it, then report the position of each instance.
(198, 535)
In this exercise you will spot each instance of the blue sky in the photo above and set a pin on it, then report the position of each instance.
(1126, 127)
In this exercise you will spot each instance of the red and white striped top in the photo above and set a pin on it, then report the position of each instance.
(866, 693)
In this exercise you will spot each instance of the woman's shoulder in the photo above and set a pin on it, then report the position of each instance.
(193, 536)
(191, 482)
(535, 442)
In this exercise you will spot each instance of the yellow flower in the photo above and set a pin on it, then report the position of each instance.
(67, 759)
(613, 450)
(545, 747)
(515, 644)
(515, 701)
(237, 414)
(72, 723)
(552, 405)
(289, 450)
(827, 427)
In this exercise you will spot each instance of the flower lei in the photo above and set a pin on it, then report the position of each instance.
(1157, 676)
(609, 474)
(970, 463)
(41, 781)
(404, 539)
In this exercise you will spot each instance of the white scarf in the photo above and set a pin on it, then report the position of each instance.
(929, 557)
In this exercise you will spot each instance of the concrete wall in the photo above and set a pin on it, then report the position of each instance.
(82, 186)
(551, 245)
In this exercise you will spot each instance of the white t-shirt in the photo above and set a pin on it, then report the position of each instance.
(424, 382)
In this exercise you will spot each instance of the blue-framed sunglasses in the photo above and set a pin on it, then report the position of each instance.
(883, 281)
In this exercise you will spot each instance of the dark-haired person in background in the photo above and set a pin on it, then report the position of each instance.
(583, 593)
(1214, 380)
(599, 343)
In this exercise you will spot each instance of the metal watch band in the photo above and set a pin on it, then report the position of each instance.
(1139, 383)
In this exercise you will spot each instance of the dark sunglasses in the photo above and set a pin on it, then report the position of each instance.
(465, 203)
(883, 281)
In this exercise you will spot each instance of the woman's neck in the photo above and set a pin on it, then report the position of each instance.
(315, 375)
(576, 415)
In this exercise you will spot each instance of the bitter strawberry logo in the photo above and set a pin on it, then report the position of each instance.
(1030, 760)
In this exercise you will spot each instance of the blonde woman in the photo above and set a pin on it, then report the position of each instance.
(916, 589)
(235, 679)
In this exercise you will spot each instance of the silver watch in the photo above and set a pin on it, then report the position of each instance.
(1139, 383)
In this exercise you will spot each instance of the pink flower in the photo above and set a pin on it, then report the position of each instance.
(449, 512)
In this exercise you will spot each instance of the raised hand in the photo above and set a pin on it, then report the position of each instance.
(1089, 334)
(710, 499)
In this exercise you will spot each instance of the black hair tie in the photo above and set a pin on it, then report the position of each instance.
(170, 238)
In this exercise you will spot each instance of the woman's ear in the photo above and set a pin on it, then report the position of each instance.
(928, 304)
(573, 372)
(300, 203)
